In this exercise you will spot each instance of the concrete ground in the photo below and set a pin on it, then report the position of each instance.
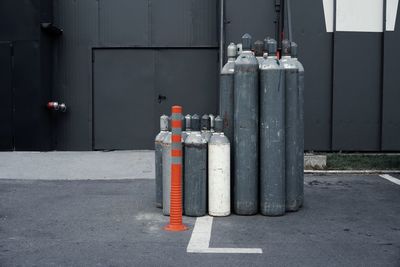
(347, 220)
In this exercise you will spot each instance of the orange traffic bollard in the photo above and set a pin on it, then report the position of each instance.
(175, 217)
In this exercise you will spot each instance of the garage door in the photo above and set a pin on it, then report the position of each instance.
(133, 87)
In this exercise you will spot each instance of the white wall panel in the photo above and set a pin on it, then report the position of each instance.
(360, 15)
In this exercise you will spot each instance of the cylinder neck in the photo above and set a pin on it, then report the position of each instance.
(195, 123)
(205, 123)
(219, 125)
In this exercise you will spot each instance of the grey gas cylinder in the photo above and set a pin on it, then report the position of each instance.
(246, 101)
(226, 92)
(300, 121)
(166, 173)
(291, 129)
(272, 133)
(195, 183)
(158, 158)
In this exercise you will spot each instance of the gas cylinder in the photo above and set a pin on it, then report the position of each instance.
(184, 133)
(219, 172)
(158, 158)
(245, 124)
(226, 92)
(259, 51)
(300, 121)
(272, 133)
(166, 173)
(195, 183)
(205, 127)
(291, 129)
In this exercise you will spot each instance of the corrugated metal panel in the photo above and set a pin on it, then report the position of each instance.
(204, 23)
(188, 77)
(6, 98)
(124, 22)
(357, 91)
(32, 119)
(255, 17)
(184, 23)
(315, 52)
(19, 20)
(391, 91)
(73, 77)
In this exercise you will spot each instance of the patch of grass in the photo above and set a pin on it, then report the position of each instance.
(362, 162)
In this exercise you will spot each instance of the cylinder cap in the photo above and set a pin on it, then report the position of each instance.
(212, 121)
(169, 124)
(266, 40)
(205, 122)
(246, 42)
(271, 47)
(188, 119)
(164, 123)
(294, 49)
(285, 48)
(183, 123)
(219, 124)
(258, 48)
(231, 50)
(195, 122)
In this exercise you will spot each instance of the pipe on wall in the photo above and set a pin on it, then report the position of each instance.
(289, 20)
(221, 34)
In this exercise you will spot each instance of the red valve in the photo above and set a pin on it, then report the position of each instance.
(53, 105)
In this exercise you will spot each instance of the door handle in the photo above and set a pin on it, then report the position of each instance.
(161, 98)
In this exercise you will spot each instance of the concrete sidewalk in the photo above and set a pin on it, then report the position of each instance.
(93, 165)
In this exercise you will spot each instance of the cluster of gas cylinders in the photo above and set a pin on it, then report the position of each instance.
(253, 151)
(206, 166)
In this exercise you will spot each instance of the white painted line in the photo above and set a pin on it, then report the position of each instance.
(390, 178)
(235, 250)
(201, 235)
(200, 240)
(349, 171)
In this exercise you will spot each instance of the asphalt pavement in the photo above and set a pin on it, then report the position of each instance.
(347, 220)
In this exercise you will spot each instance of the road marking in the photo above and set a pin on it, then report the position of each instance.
(390, 178)
(200, 240)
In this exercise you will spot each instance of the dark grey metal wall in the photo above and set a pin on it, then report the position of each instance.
(26, 81)
(315, 46)
(6, 97)
(92, 24)
(390, 132)
(356, 91)
(351, 92)
(351, 84)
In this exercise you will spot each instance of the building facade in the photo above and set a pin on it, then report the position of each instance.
(119, 64)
